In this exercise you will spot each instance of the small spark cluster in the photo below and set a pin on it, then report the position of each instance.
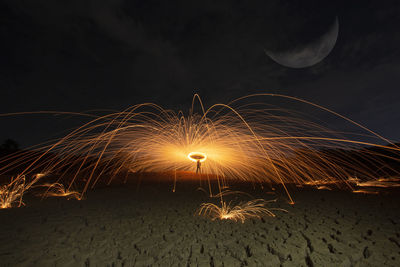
(244, 210)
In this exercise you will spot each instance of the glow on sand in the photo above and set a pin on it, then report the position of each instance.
(240, 141)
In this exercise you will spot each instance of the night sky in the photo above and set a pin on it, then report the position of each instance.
(79, 55)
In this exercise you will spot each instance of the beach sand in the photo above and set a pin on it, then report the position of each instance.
(149, 225)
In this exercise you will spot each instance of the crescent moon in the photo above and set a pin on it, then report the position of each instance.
(311, 54)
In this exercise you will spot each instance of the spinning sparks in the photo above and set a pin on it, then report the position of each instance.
(240, 141)
(244, 210)
(197, 156)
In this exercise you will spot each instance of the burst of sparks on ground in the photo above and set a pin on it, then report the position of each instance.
(59, 190)
(241, 141)
(13, 192)
(244, 210)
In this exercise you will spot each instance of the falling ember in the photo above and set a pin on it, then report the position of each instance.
(323, 187)
(366, 191)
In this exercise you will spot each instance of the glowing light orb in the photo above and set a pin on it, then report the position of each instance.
(197, 156)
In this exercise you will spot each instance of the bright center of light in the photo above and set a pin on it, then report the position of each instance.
(197, 156)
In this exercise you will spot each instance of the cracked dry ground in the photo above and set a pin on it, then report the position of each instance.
(122, 226)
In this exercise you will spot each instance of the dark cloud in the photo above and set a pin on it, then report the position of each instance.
(109, 54)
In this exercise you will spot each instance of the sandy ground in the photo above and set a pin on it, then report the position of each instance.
(123, 226)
